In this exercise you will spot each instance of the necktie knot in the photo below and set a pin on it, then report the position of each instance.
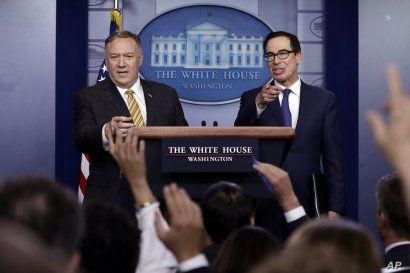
(286, 92)
(129, 92)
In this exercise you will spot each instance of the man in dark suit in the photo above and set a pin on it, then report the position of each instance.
(287, 101)
(123, 100)
(393, 224)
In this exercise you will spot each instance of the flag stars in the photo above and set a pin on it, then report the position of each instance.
(104, 68)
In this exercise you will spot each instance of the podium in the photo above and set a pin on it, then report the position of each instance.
(271, 143)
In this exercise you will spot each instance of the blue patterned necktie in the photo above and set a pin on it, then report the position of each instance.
(287, 116)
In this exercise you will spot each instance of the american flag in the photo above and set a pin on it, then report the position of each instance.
(115, 24)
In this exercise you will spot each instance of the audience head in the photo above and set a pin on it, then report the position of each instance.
(317, 259)
(225, 207)
(43, 206)
(392, 217)
(329, 246)
(244, 249)
(111, 240)
(22, 251)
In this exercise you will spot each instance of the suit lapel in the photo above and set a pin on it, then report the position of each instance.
(149, 103)
(112, 94)
(304, 105)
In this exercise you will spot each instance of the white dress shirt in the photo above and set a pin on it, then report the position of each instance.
(294, 101)
(154, 256)
(138, 96)
(400, 243)
(294, 214)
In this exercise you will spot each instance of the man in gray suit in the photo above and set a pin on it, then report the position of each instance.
(123, 100)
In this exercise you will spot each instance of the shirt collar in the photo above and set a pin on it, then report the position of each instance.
(294, 87)
(396, 244)
(136, 86)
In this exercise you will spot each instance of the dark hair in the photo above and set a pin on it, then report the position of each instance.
(123, 34)
(111, 240)
(332, 246)
(244, 248)
(225, 207)
(390, 200)
(46, 208)
(294, 41)
(315, 259)
(22, 251)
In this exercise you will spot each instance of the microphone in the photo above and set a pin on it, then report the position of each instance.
(203, 123)
(215, 124)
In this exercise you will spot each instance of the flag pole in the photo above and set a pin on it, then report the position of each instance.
(115, 23)
(115, 15)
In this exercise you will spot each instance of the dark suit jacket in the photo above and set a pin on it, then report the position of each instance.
(316, 135)
(294, 225)
(199, 270)
(96, 105)
(398, 259)
(211, 252)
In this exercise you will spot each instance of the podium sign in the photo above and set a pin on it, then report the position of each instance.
(209, 155)
(169, 148)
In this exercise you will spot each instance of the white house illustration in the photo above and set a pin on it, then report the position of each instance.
(206, 45)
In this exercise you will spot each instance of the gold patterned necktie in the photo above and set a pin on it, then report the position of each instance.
(135, 110)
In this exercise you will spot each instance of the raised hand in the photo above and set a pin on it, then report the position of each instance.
(186, 236)
(130, 157)
(393, 136)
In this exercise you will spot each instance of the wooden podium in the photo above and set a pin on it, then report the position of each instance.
(272, 144)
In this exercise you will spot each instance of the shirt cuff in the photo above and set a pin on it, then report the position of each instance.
(146, 217)
(147, 209)
(295, 214)
(194, 263)
(106, 144)
(259, 111)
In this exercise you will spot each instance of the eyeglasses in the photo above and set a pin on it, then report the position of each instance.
(282, 54)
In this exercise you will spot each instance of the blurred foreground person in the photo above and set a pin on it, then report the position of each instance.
(47, 209)
(21, 251)
(327, 246)
(393, 224)
(111, 240)
(244, 249)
